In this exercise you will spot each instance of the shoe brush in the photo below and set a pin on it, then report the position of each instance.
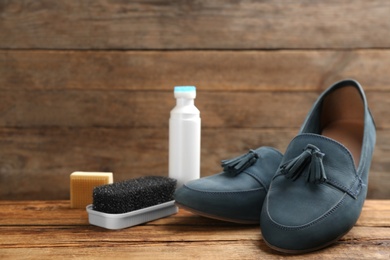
(132, 202)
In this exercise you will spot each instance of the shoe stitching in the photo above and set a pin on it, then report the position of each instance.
(307, 225)
(349, 191)
(339, 186)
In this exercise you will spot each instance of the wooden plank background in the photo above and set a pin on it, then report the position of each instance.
(87, 85)
(51, 230)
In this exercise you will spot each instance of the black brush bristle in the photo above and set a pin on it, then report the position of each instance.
(134, 194)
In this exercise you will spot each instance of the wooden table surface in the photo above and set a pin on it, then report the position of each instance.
(51, 230)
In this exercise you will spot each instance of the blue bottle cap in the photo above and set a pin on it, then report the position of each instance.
(185, 89)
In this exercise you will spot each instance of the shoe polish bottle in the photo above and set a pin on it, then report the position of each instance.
(184, 137)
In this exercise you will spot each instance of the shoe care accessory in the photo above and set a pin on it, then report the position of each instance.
(82, 184)
(184, 137)
(132, 202)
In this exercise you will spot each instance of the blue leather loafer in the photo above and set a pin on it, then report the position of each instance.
(236, 194)
(317, 193)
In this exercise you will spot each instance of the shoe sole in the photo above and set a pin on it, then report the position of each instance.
(207, 215)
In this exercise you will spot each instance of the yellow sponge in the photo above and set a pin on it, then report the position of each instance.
(82, 184)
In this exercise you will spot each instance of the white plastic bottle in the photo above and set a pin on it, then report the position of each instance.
(184, 137)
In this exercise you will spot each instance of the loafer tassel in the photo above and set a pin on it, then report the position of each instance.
(310, 155)
(238, 164)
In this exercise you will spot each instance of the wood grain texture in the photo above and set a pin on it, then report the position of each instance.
(263, 70)
(104, 24)
(47, 229)
(36, 163)
(375, 213)
(87, 85)
(83, 108)
(202, 250)
(121, 108)
(54, 114)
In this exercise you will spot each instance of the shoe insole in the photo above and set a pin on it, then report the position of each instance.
(349, 133)
(342, 119)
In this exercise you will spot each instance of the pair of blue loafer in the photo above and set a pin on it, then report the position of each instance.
(307, 198)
